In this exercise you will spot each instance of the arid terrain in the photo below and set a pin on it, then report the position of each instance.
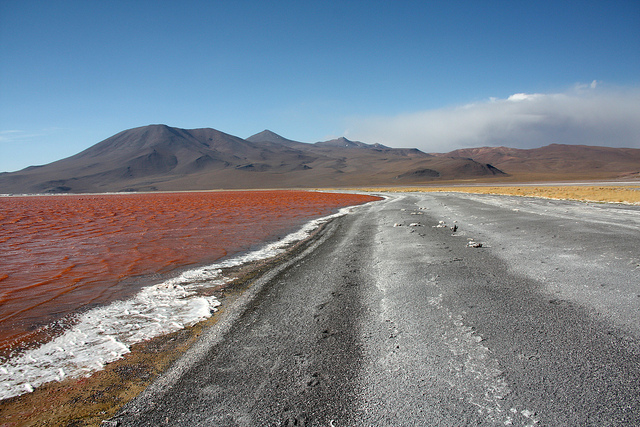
(159, 157)
(627, 194)
(574, 263)
(558, 161)
(163, 158)
(430, 309)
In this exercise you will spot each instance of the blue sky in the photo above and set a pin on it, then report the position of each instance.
(432, 75)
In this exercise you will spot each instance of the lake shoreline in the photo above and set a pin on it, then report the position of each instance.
(88, 401)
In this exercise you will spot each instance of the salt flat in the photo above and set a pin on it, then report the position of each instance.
(392, 319)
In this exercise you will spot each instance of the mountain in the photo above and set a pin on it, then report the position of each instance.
(159, 157)
(343, 142)
(558, 161)
(266, 136)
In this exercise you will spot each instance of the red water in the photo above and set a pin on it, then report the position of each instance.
(61, 253)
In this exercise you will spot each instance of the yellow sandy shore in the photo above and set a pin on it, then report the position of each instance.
(600, 194)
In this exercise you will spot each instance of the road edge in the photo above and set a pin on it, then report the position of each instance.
(216, 333)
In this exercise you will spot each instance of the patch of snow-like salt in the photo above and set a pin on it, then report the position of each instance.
(104, 334)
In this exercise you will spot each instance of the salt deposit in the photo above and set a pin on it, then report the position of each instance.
(104, 334)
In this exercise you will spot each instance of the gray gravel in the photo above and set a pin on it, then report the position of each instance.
(392, 319)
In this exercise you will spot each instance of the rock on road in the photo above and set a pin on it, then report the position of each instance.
(394, 319)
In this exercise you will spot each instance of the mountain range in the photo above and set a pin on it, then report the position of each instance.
(159, 157)
(559, 162)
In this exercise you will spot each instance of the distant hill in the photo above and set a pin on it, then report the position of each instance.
(558, 161)
(159, 157)
(271, 137)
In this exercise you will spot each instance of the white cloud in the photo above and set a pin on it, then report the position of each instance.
(17, 135)
(517, 97)
(9, 135)
(585, 115)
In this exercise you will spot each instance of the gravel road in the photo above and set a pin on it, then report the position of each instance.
(392, 318)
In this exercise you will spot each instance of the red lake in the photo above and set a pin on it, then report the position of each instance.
(61, 254)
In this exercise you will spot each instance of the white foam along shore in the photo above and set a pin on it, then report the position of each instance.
(104, 334)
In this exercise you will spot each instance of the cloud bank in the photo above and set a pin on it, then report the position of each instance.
(586, 115)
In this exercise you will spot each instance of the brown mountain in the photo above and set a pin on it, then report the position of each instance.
(159, 157)
(558, 161)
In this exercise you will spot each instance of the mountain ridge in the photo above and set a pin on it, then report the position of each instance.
(572, 161)
(160, 157)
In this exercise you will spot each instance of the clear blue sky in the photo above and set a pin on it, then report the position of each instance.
(73, 73)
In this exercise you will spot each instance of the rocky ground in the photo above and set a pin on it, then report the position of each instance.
(394, 318)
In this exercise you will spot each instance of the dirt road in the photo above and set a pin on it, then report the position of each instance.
(393, 318)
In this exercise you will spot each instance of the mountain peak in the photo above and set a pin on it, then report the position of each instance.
(343, 142)
(160, 157)
(266, 134)
(271, 137)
